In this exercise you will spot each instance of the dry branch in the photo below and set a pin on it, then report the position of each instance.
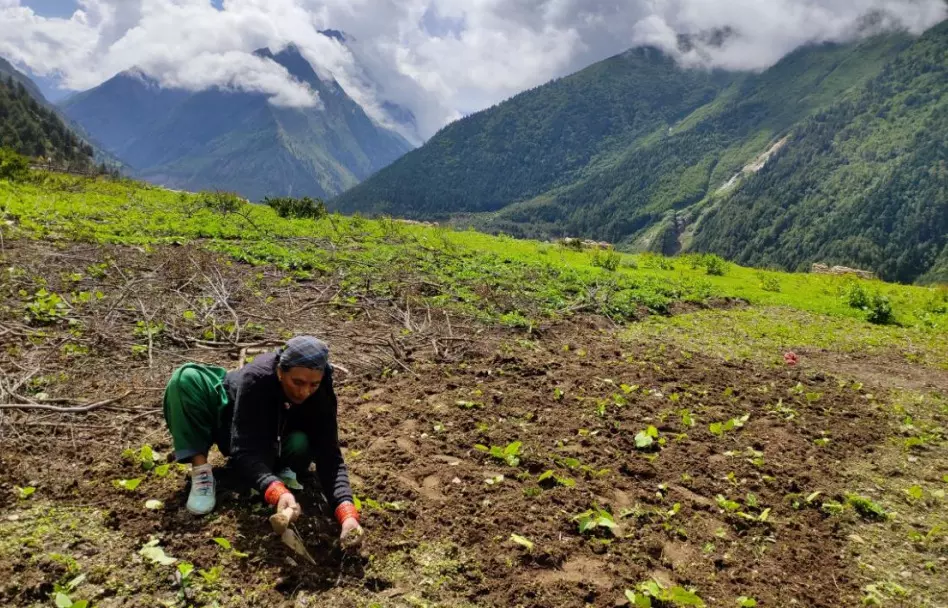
(64, 410)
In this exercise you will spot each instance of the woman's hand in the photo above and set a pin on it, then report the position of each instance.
(352, 533)
(287, 504)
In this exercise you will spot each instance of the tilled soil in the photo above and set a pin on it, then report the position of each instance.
(724, 513)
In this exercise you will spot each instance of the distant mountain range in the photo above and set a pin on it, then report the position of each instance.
(836, 154)
(234, 140)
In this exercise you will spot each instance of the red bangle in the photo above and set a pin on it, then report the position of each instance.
(274, 491)
(345, 511)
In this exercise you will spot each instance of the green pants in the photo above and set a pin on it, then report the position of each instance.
(197, 414)
(195, 407)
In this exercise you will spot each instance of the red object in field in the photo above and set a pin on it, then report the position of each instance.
(791, 358)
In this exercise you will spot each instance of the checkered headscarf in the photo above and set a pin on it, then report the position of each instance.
(304, 351)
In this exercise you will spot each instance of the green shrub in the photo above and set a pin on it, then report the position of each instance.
(880, 310)
(221, 202)
(289, 207)
(856, 295)
(715, 265)
(653, 260)
(769, 283)
(606, 259)
(13, 166)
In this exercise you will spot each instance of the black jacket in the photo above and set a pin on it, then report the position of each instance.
(261, 420)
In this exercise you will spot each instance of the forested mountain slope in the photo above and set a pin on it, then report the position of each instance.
(834, 154)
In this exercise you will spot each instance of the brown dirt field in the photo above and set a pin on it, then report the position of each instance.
(421, 391)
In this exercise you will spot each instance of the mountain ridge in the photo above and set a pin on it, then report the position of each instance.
(225, 139)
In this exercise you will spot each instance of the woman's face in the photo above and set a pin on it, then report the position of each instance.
(299, 383)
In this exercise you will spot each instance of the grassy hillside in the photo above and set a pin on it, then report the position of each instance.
(826, 196)
(526, 424)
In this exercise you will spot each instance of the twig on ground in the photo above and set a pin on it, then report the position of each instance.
(64, 410)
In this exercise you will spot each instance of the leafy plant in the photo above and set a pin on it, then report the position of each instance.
(224, 544)
(746, 602)
(523, 542)
(24, 493)
(595, 518)
(156, 554)
(212, 576)
(127, 484)
(45, 307)
(719, 428)
(648, 591)
(64, 601)
(550, 476)
(645, 439)
(509, 454)
(866, 507)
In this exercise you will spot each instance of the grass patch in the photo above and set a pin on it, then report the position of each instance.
(766, 333)
(494, 278)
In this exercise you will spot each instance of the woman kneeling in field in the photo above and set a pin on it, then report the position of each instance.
(277, 413)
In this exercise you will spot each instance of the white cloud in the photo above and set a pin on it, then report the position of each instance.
(437, 58)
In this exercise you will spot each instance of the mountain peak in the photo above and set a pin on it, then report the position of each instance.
(334, 34)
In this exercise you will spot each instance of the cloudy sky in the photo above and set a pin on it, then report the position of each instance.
(438, 58)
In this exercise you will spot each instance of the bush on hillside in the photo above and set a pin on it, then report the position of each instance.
(880, 310)
(13, 166)
(288, 207)
(221, 202)
(606, 259)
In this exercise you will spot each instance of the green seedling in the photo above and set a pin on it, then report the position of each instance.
(687, 419)
(915, 493)
(651, 594)
(24, 493)
(147, 457)
(719, 428)
(64, 601)
(127, 484)
(645, 439)
(558, 394)
(212, 576)
(225, 545)
(152, 552)
(595, 518)
(550, 476)
(746, 602)
(509, 454)
(569, 463)
(523, 542)
(154, 505)
(866, 507)
(185, 570)
(469, 405)
(593, 473)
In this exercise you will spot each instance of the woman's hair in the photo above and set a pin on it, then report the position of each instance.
(304, 351)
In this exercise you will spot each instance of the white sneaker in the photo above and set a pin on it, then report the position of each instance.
(288, 476)
(202, 498)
